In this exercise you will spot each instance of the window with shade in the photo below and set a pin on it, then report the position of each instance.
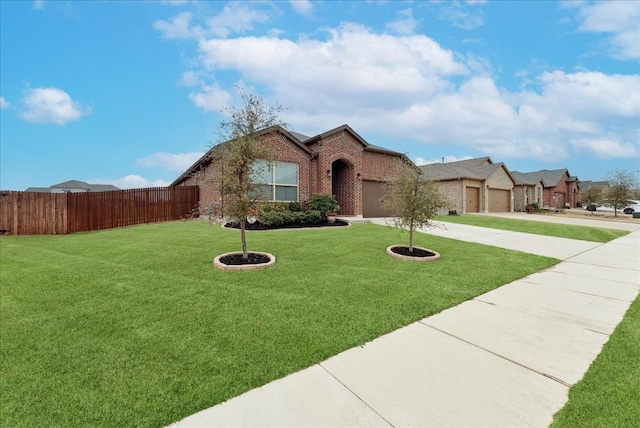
(278, 180)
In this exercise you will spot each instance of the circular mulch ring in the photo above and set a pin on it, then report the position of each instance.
(259, 226)
(234, 261)
(419, 254)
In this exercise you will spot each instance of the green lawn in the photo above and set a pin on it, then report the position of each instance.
(583, 233)
(609, 394)
(135, 327)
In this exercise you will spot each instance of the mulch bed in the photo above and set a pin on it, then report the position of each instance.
(417, 252)
(259, 226)
(236, 259)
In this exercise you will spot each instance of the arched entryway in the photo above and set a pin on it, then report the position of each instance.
(343, 186)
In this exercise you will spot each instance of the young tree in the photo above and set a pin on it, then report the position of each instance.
(237, 155)
(592, 195)
(413, 199)
(621, 185)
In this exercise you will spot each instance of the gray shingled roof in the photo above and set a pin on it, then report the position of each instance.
(301, 137)
(550, 177)
(476, 168)
(76, 184)
(38, 189)
(525, 178)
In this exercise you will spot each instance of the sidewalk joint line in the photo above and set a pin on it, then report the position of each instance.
(355, 395)
(547, 375)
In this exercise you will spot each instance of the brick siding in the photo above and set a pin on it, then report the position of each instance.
(339, 152)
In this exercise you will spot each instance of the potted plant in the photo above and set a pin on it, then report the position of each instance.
(326, 204)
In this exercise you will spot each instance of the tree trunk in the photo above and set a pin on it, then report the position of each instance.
(411, 238)
(245, 253)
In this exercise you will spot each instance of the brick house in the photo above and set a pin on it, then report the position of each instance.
(528, 190)
(338, 162)
(474, 185)
(560, 189)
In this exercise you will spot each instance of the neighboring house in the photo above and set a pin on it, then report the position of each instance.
(73, 186)
(560, 188)
(474, 185)
(528, 190)
(585, 186)
(338, 162)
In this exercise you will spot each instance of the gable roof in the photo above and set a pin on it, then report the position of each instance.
(476, 168)
(550, 178)
(72, 184)
(366, 146)
(77, 184)
(301, 141)
(294, 137)
(523, 179)
(585, 185)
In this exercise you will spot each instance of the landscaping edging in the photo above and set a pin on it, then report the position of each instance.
(218, 264)
(431, 258)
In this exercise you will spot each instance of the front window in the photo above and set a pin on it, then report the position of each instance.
(278, 180)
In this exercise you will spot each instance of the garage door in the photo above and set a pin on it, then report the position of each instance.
(499, 201)
(473, 199)
(372, 195)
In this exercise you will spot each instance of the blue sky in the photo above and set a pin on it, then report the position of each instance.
(130, 93)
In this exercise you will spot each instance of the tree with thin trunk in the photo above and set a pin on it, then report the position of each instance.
(620, 189)
(591, 196)
(237, 155)
(413, 199)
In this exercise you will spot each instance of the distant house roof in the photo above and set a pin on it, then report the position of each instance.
(74, 185)
(476, 168)
(38, 189)
(550, 177)
(585, 185)
(526, 179)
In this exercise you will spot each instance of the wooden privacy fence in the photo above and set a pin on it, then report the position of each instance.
(33, 213)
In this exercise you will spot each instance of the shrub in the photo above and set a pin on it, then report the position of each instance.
(295, 207)
(323, 202)
(313, 217)
(271, 218)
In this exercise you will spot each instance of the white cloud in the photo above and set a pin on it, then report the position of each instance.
(618, 19)
(404, 24)
(603, 148)
(132, 182)
(235, 17)
(410, 88)
(179, 27)
(211, 98)
(190, 78)
(337, 71)
(170, 161)
(38, 4)
(460, 18)
(51, 105)
(4, 103)
(303, 7)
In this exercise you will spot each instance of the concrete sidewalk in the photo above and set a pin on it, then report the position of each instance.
(505, 358)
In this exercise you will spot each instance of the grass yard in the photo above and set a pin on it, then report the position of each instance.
(593, 234)
(134, 327)
(609, 393)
